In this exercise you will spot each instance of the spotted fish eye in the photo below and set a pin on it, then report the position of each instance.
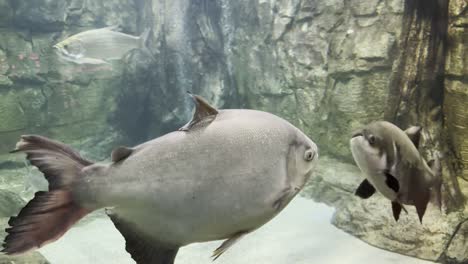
(371, 139)
(309, 155)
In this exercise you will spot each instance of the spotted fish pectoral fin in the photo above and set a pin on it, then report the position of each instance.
(414, 134)
(365, 189)
(227, 244)
(142, 248)
(121, 153)
(204, 113)
(396, 209)
(392, 181)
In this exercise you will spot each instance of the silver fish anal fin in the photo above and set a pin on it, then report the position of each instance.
(142, 248)
(227, 244)
(92, 61)
(204, 113)
(121, 153)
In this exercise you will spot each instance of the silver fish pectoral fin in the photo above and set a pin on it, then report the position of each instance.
(143, 249)
(204, 113)
(227, 244)
(284, 198)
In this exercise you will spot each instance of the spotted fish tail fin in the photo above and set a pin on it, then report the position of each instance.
(49, 214)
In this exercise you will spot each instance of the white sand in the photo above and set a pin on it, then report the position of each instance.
(301, 234)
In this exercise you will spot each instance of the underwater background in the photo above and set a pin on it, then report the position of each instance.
(328, 67)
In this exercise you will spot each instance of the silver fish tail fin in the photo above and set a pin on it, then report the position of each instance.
(49, 214)
(436, 189)
(143, 39)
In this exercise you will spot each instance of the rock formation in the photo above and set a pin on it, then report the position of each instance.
(327, 66)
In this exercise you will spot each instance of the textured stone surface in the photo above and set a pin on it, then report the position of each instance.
(456, 89)
(323, 65)
(40, 15)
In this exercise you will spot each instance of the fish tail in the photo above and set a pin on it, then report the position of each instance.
(143, 39)
(49, 214)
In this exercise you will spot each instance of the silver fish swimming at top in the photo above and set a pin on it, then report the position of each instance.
(98, 46)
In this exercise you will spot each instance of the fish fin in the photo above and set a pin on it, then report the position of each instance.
(420, 202)
(111, 28)
(43, 220)
(121, 153)
(430, 163)
(284, 198)
(365, 190)
(49, 214)
(142, 248)
(227, 244)
(392, 182)
(85, 60)
(59, 163)
(204, 113)
(396, 209)
(143, 39)
(414, 134)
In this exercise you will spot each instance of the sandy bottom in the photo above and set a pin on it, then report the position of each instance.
(301, 234)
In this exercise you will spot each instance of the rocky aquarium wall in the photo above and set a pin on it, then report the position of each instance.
(328, 67)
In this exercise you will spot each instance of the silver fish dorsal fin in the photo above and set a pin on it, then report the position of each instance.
(121, 153)
(204, 112)
(414, 134)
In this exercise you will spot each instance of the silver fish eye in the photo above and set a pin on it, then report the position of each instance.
(309, 155)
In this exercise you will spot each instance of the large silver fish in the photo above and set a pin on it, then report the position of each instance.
(392, 165)
(97, 46)
(221, 176)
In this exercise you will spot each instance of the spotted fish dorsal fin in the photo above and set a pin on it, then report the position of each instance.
(414, 134)
(121, 153)
(204, 112)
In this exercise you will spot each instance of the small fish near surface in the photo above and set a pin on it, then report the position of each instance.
(390, 160)
(221, 176)
(98, 46)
